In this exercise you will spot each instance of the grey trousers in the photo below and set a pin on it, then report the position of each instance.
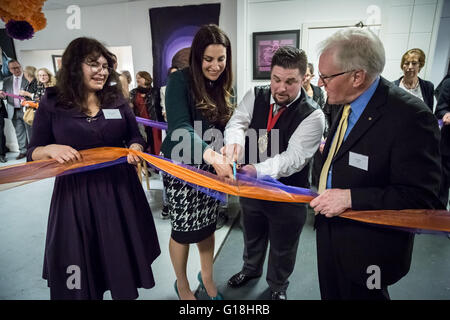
(23, 130)
(278, 223)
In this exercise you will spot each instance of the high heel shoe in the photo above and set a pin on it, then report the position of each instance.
(202, 287)
(176, 289)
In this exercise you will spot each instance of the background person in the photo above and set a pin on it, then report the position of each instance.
(44, 80)
(316, 94)
(145, 100)
(29, 73)
(13, 85)
(412, 62)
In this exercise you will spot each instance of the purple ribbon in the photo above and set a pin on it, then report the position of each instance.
(95, 166)
(152, 123)
(13, 95)
(262, 182)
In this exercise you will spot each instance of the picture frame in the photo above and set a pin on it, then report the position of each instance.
(264, 46)
(7, 52)
(7, 44)
(56, 59)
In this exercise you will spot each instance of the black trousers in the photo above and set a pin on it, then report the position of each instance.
(333, 280)
(2, 137)
(278, 223)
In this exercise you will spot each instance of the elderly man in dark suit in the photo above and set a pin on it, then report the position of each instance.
(13, 85)
(382, 152)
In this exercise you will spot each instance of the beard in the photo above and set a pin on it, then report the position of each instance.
(285, 101)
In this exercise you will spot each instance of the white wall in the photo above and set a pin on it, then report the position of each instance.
(404, 24)
(116, 25)
(442, 52)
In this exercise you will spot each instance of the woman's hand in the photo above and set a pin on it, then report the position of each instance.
(132, 158)
(233, 151)
(62, 153)
(221, 164)
(24, 93)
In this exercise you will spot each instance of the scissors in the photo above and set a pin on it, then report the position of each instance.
(235, 165)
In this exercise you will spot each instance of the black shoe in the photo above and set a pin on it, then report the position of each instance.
(3, 159)
(165, 212)
(222, 218)
(278, 295)
(239, 279)
(21, 156)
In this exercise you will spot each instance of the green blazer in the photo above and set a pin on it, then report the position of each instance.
(186, 125)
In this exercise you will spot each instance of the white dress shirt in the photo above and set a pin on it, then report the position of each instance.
(302, 145)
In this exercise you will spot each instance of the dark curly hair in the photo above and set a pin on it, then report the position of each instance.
(214, 101)
(71, 89)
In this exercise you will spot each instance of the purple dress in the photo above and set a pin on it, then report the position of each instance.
(101, 234)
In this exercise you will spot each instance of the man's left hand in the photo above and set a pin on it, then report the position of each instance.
(332, 202)
(446, 118)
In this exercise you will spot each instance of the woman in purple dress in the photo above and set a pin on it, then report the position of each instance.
(101, 234)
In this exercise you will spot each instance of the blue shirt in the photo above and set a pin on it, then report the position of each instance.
(357, 108)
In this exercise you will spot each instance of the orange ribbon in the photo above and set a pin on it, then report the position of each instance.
(11, 176)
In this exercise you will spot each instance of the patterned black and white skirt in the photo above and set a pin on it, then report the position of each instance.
(193, 214)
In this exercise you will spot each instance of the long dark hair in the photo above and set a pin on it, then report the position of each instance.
(70, 84)
(213, 100)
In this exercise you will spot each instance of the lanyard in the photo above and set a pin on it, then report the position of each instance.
(272, 121)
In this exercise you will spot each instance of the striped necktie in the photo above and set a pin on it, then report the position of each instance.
(337, 141)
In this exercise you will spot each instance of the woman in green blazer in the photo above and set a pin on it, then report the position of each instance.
(197, 97)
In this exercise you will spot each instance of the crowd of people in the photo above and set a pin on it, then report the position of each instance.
(362, 142)
(30, 84)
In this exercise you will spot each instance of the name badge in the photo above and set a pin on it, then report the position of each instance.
(359, 161)
(112, 114)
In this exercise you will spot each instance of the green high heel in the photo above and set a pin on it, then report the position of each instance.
(176, 289)
(202, 287)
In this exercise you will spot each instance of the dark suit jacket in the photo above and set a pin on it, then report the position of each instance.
(400, 137)
(318, 96)
(8, 86)
(427, 89)
(442, 107)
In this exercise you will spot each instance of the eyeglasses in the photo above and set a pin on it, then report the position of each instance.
(327, 79)
(97, 67)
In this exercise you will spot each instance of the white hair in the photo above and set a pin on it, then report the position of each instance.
(356, 49)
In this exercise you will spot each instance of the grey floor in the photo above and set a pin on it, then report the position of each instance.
(428, 279)
(23, 222)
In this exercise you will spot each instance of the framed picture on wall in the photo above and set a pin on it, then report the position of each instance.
(264, 46)
(7, 52)
(56, 62)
